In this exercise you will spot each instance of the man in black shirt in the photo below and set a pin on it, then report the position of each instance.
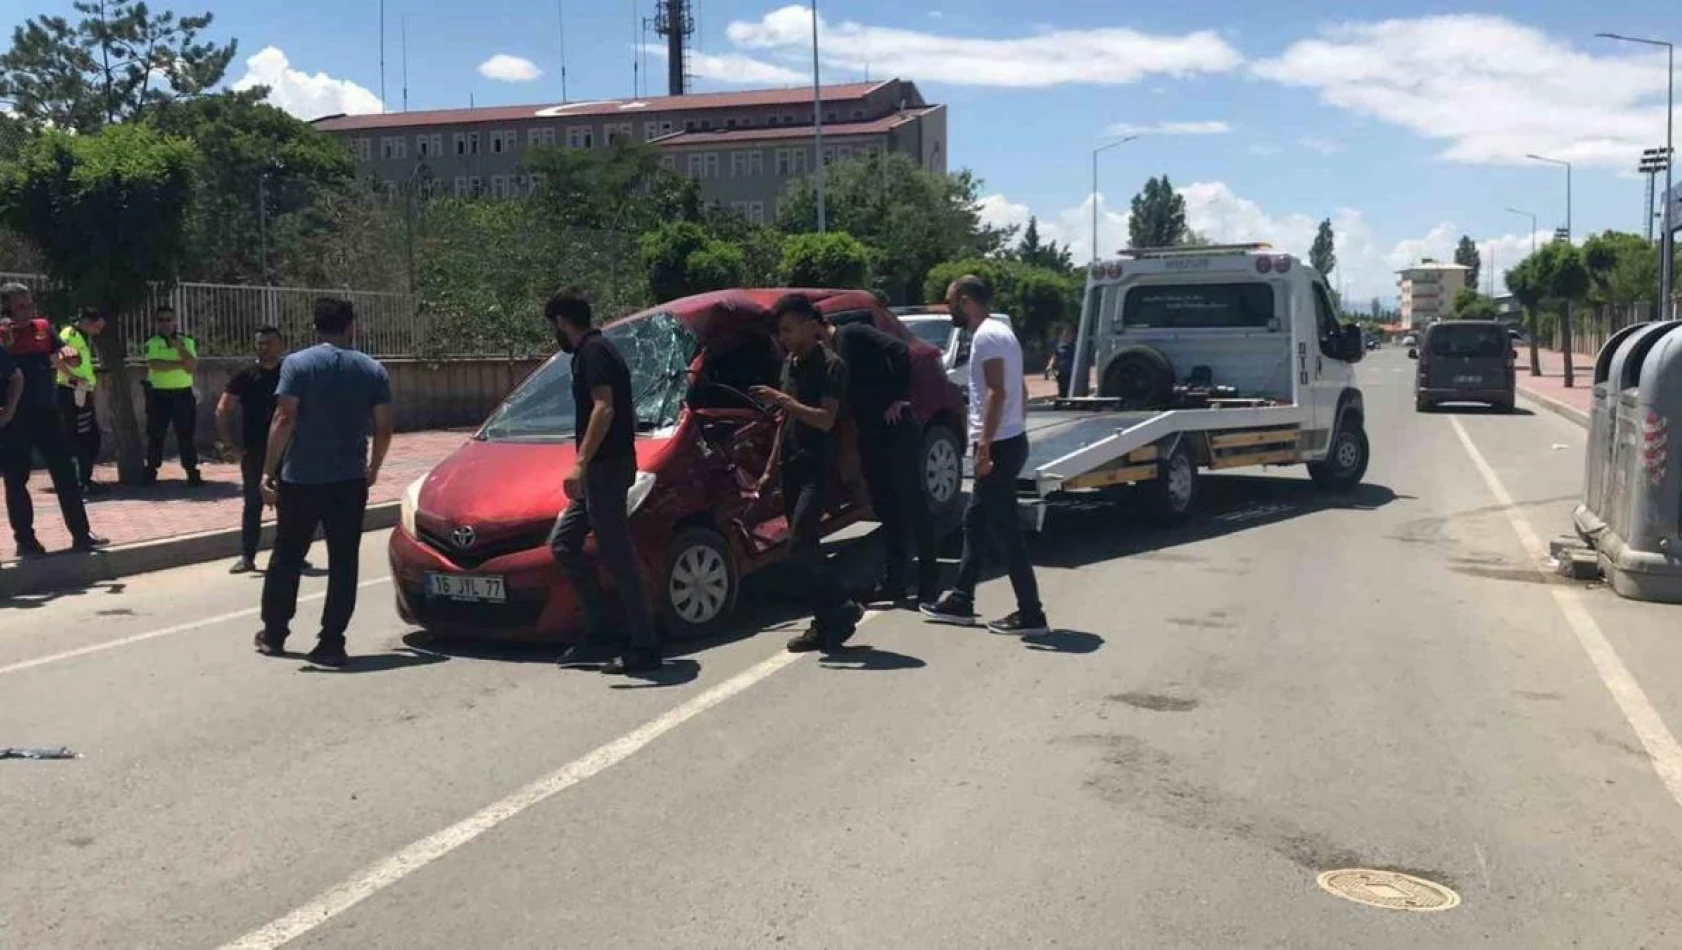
(253, 388)
(37, 427)
(879, 403)
(813, 386)
(604, 434)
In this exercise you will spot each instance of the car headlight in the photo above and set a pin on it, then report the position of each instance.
(641, 487)
(411, 502)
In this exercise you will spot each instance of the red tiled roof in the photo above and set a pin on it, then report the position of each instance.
(628, 108)
(781, 132)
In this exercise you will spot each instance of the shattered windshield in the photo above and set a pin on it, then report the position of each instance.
(657, 350)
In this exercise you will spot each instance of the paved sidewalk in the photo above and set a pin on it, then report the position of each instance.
(1549, 388)
(128, 514)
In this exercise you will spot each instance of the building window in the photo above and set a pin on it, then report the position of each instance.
(536, 137)
(391, 191)
(579, 136)
(616, 131)
(756, 212)
(829, 115)
(729, 123)
(365, 149)
(706, 125)
(476, 186)
(756, 163)
(703, 165)
(499, 184)
(689, 125)
(472, 143)
(461, 188)
(738, 164)
(506, 141)
(461, 143)
(858, 114)
(828, 156)
(536, 180)
(668, 162)
(788, 119)
(791, 161)
(843, 152)
(870, 151)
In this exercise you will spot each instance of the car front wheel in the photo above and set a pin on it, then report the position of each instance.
(942, 469)
(699, 588)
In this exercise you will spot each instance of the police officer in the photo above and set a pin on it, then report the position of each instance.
(76, 384)
(172, 357)
(34, 426)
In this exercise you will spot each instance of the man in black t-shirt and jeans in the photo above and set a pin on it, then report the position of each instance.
(814, 384)
(253, 389)
(604, 434)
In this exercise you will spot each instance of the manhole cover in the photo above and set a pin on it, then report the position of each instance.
(1389, 889)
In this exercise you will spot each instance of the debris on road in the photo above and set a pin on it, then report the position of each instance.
(14, 752)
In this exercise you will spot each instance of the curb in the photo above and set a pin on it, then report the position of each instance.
(73, 571)
(1556, 407)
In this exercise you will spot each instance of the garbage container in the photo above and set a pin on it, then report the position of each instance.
(1590, 516)
(1640, 547)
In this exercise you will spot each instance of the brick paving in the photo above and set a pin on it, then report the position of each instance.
(127, 514)
(1551, 384)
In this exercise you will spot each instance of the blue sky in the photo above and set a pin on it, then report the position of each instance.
(1405, 123)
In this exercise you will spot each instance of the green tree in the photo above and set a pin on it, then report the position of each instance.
(1624, 268)
(910, 218)
(1159, 216)
(1471, 305)
(1047, 254)
(1037, 299)
(1565, 282)
(682, 259)
(106, 211)
(1323, 255)
(115, 64)
(1524, 283)
(620, 188)
(835, 260)
(1467, 256)
(715, 266)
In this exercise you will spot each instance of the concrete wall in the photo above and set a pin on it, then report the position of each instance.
(443, 395)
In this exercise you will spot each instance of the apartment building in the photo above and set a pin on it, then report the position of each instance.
(1427, 292)
(743, 147)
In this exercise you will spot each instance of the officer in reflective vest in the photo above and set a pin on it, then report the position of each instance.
(76, 384)
(172, 358)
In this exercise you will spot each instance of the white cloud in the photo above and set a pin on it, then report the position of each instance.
(1210, 127)
(1051, 57)
(505, 68)
(1323, 146)
(302, 94)
(1264, 150)
(735, 68)
(1489, 88)
(1000, 212)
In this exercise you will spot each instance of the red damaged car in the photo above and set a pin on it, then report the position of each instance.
(470, 556)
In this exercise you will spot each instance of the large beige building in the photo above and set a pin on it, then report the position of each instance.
(744, 147)
(1427, 292)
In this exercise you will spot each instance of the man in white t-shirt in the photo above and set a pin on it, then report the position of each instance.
(997, 428)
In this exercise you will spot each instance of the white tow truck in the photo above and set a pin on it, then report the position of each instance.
(1216, 357)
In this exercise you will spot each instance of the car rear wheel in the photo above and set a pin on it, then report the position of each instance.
(698, 591)
(942, 469)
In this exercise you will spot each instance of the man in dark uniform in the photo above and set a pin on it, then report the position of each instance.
(604, 435)
(813, 386)
(879, 402)
(253, 390)
(37, 427)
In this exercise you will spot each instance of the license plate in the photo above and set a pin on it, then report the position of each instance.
(1468, 379)
(475, 588)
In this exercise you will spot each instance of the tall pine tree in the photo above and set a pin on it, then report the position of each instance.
(1159, 216)
(1466, 255)
(1323, 255)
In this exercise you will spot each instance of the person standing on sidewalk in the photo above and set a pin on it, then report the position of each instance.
(35, 426)
(76, 384)
(172, 357)
(1062, 363)
(604, 436)
(998, 426)
(327, 399)
(253, 390)
(813, 386)
(878, 400)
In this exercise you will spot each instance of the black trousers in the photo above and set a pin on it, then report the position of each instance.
(991, 514)
(602, 510)
(893, 473)
(81, 427)
(805, 494)
(39, 429)
(337, 508)
(168, 409)
(251, 500)
(1062, 386)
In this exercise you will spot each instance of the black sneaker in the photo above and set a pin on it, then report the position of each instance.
(244, 565)
(1021, 625)
(31, 548)
(632, 662)
(843, 626)
(88, 542)
(92, 488)
(808, 642)
(953, 608)
(269, 646)
(584, 654)
(330, 655)
(150, 478)
(194, 479)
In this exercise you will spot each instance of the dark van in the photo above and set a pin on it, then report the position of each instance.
(1464, 361)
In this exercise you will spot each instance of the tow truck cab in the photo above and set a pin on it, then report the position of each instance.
(1232, 322)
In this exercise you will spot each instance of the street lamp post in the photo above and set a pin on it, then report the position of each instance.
(817, 123)
(1565, 315)
(1667, 245)
(1535, 357)
(1095, 153)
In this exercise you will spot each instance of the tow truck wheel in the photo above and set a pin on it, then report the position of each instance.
(698, 590)
(1346, 459)
(942, 469)
(1175, 487)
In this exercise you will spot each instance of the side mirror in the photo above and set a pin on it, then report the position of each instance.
(1354, 347)
(1413, 353)
(1512, 354)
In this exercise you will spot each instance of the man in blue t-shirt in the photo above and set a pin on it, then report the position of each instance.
(328, 398)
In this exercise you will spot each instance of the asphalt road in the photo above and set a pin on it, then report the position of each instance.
(1290, 685)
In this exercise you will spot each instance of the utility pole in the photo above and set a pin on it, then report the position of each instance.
(1667, 239)
(1653, 161)
(561, 20)
(382, 55)
(1565, 235)
(817, 124)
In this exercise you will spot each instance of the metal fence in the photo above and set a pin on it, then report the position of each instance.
(1591, 328)
(223, 318)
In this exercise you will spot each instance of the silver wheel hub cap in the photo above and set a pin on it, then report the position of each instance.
(1348, 453)
(941, 471)
(700, 585)
(1179, 482)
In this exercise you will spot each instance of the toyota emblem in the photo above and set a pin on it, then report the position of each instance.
(463, 537)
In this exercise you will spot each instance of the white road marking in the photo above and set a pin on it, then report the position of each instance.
(165, 632)
(382, 874)
(1662, 747)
